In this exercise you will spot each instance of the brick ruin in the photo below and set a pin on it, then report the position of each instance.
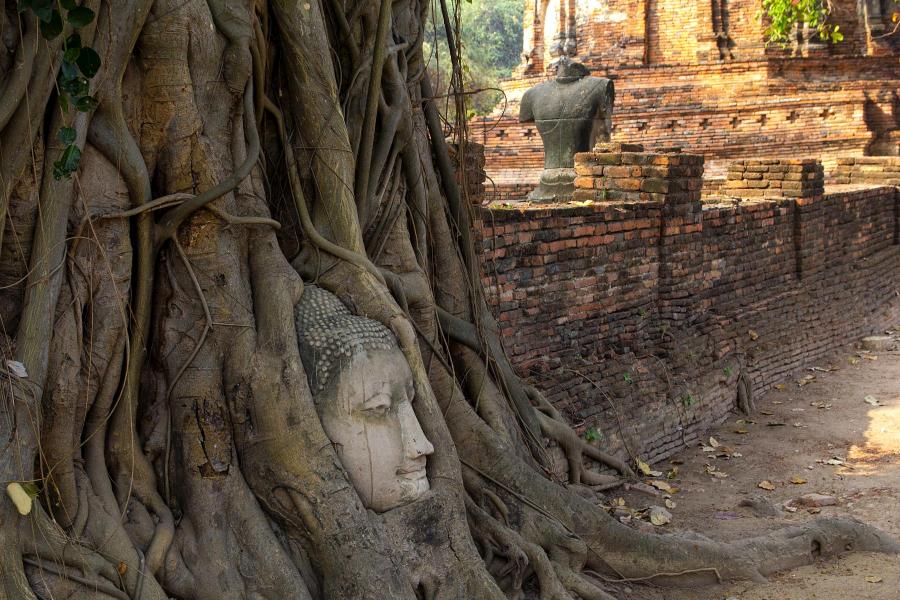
(698, 75)
(642, 307)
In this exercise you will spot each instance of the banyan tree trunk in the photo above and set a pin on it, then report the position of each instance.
(160, 437)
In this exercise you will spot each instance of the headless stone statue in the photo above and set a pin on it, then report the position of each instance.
(571, 113)
(363, 390)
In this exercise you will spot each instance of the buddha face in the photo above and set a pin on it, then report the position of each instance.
(367, 413)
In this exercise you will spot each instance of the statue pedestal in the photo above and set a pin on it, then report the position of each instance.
(556, 185)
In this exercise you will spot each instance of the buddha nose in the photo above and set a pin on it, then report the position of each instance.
(415, 444)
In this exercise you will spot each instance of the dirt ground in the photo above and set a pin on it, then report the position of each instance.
(826, 414)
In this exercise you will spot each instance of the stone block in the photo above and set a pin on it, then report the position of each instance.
(658, 186)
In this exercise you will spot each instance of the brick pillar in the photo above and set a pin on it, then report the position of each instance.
(775, 178)
(475, 175)
(809, 237)
(672, 182)
(681, 253)
(800, 178)
(707, 29)
(873, 170)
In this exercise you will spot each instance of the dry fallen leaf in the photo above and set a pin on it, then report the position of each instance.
(659, 515)
(806, 380)
(646, 470)
(797, 480)
(853, 360)
(711, 470)
(873, 579)
(662, 485)
(713, 442)
(670, 503)
(741, 430)
(766, 485)
(768, 413)
(753, 335)
(780, 386)
(872, 400)
(122, 568)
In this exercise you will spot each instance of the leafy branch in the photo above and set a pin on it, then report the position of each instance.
(79, 65)
(786, 15)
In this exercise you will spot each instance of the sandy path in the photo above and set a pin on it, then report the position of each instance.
(826, 417)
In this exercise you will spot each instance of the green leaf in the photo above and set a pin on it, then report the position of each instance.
(71, 54)
(74, 86)
(31, 489)
(64, 103)
(592, 434)
(53, 27)
(25, 5)
(86, 104)
(68, 70)
(66, 135)
(73, 41)
(44, 9)
(81, 16)
(89, 62)
(67, 163)
(68, 4)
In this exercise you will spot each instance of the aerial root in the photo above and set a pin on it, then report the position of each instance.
(496, 538)
(580, 584)
(70, 572)
(745, 401)
(554, 427)
(47, 548)
(164, 202)
(520, 557)
(672, 560)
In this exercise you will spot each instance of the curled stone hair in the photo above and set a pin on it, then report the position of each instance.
(329, 334)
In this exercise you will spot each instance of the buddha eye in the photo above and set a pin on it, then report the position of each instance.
(378, 405)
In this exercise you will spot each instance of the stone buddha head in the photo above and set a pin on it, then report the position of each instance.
(363, 390)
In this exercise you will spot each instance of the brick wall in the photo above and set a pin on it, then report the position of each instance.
(639, 316)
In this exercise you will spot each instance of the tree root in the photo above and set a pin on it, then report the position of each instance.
(745, 401)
